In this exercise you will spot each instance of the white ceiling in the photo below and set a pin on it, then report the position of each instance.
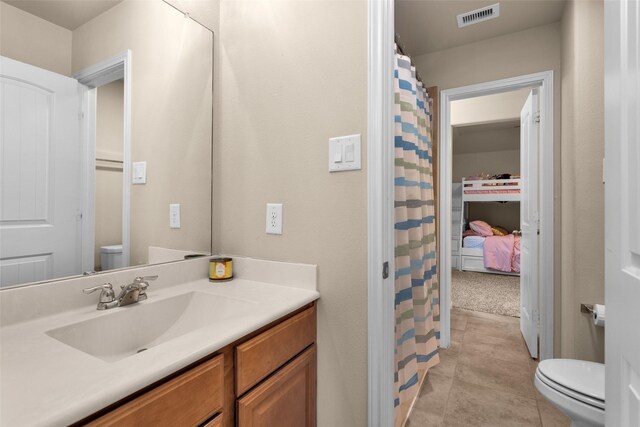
(69, 14)
(487, 137)
(426, 26)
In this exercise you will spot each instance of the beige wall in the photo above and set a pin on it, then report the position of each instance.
(582, 188)
(171, 117)
(109, 118)
(525, 52)
(293, 75)
(491, 163)
(489, 108)
(32, 40)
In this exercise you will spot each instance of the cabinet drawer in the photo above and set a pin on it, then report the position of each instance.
(262, 355)
(473, 263)
(189, 399)
(288, 398)
(216, 422)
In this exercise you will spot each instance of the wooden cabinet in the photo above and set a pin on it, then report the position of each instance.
(260, 356)
(287, 398)
(215, 422)
(267, 378)
(189, 399)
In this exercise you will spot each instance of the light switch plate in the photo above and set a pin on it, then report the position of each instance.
(174, 215)
(344, 153)
(139, 173)
(274, 218)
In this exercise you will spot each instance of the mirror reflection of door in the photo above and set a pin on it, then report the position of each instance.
(40, 169)
(109, 176)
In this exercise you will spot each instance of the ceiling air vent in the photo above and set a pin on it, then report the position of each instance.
(479, 15)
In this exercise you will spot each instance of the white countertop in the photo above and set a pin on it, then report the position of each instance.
(46, 382)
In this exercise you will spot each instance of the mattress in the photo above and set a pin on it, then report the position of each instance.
(473, 242)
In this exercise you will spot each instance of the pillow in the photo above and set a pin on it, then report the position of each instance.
(481, 228)
(499, 231)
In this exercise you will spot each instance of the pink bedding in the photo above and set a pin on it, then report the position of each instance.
(481, 227)
(502, 253)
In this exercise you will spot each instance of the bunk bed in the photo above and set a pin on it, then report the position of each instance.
(491, 190)
(472, 249)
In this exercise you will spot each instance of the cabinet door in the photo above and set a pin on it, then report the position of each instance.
(257, 358)
(216, 422)
(188, 399)
(287, 398)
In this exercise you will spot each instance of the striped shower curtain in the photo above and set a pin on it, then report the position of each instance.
(417, 311)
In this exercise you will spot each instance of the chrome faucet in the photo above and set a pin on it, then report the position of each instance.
(107, 296)
(136, 291)
(129, 294)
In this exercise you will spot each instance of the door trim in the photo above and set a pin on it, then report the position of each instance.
(544, 80)
(380, 189)
(100, 74)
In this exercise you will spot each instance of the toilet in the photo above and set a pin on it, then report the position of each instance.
(111, 257)
(575, 387)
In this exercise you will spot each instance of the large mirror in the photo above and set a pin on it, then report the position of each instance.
(106, 137)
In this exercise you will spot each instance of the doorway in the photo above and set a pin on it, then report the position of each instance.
(106, 91)
(536, 299)
(486, 156)
(109, 177)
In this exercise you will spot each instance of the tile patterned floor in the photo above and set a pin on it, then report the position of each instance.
(484, 379)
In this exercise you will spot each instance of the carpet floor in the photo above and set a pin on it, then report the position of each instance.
(488, 293)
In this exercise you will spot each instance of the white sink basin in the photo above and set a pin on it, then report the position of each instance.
(131, 329)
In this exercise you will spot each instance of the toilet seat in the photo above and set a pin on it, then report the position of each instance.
(570, 393)
(583, 379)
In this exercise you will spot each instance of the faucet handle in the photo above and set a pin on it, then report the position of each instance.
(142, 282)
(142, 279)
(105, 287)
(106, 296)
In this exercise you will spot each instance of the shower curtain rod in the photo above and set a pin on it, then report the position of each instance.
(401, 50)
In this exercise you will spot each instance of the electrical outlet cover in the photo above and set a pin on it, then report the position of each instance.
(174, 215)
(274, 218)
(139, 173)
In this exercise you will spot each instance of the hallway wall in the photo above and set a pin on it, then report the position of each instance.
(582, 187)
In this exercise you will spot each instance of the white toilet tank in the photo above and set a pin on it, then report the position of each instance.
(111, 257)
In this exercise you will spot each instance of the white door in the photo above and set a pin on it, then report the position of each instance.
(529, 126)
(40, 175)
(622, 212)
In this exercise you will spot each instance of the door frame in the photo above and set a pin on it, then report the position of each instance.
(543, 80)
(380, 191)
(100, 74)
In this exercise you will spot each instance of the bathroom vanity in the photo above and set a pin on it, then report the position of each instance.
(193, 353)
(269, 376)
